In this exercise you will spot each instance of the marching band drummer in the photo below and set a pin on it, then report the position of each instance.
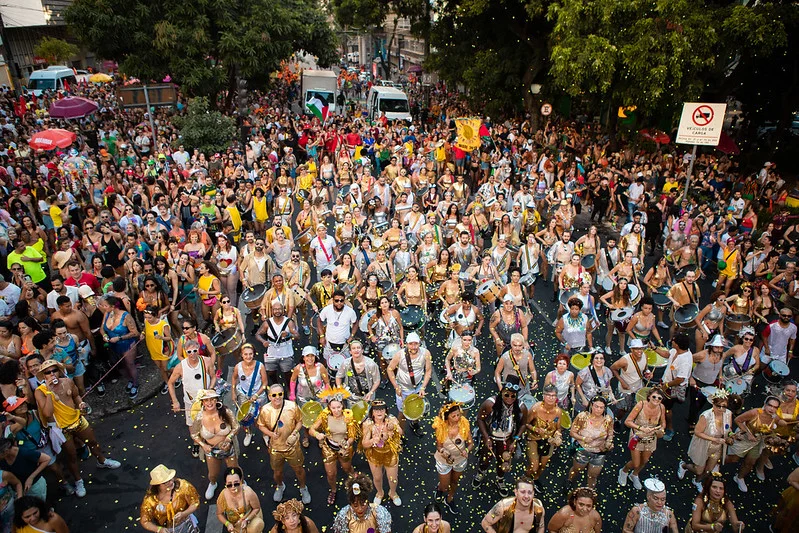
(276, 334)
(615, 300)
(297, 275)
(505, 322)
(516, 290)
(573, 329)
(744, 358)
(464, 316)
(197, 373)
(710, 320)
(280, 292)
(706, 373)
(625, 269)
(463, 361)
(463, 252)
(248, 384)
(449, 293)
(528, 257)
(409, 372)
(630, 371)
(501, 257)
(336, 431)
(642, 324)
(359, 374)
(681, 294)
(364, 255)
(607, 259)
(308, 380)
(658, 280)
(543, 427)
(517, 361)
(558, 256)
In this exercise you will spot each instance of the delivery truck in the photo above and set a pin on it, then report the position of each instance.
(319, 85)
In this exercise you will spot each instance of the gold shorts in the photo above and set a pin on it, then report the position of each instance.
(293, 456)
(329, 455)
(77, 427)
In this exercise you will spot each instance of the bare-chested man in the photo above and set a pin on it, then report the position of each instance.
(77, 324)
(522, 513)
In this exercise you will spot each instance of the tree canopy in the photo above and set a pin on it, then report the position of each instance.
(204, 129)
(202, 44)
(55, 50)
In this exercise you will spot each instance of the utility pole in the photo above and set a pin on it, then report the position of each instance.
(13, 68)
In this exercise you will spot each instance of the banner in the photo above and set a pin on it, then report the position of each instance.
(468, 130)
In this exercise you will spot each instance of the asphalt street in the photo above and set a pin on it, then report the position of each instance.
(150, 434)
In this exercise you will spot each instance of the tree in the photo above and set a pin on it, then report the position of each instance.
(496, 49)
(55, 50)
(203, 44)
(208, 131)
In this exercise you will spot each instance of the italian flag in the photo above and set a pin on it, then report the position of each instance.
(318, 108)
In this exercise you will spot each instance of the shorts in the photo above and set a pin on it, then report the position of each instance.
(282, 364)
(80, 369)
(405, 394)
(446, 468)
(294, 457)
(539, 449)
(81, 425)
(84, 348)
(584, 457)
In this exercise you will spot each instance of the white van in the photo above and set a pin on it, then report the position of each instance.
(50, 79)
(388, 100)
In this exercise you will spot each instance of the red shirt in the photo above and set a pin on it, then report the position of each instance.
(353, 139)
(85, 279)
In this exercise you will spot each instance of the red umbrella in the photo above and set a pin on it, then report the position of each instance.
(52, 139)
(659, 137)
(727, 145)
(73, 107)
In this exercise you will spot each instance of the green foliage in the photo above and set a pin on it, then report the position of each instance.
(202, 44)
(55, 50)
(373, 13)
(204, 129)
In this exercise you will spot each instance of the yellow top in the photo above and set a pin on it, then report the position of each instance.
(205, 282)
(259, 208)
(156, 345)
(55, 214)
(305, 181)
(184, 496)
(64, 415)
(235, 218)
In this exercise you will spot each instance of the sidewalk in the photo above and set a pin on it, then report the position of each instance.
(116, 397)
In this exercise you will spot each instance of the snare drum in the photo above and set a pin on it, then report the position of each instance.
(662, 301)
(413, 318)
(607, 284)
(227, 341)
(635, 294)
(737, 321)
(528, 400)
(776, 371)
(247, 413)
(487, 292)
(736, 386)
(621, 317)
(528, 279)
(387, 287)
(462, 393)
(335, 361)
(364, 324)
(253, 296)
(566, 295)
(708, 391)
(415, 407)
(444, 318)
(686, 315)
(581, 360)
(589, 263)
(304, 239)
(389, 350)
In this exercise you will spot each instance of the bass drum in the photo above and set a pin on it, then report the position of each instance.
(227, 341)
(253, 296)
(462, 393)
(413, 318)
(364, 324)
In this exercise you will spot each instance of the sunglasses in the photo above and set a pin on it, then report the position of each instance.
(508, 394)
(51, 371)
(187, 327)
(149, 285)
(276, 395)
(338, 300)
(657, 398)
(749, 339)
(786, 316)
(234, 484)
(195, 350)
(225, 301)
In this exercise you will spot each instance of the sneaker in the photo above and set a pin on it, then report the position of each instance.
(247, 439)
(195, 450)
(133, 393)
(760, 474)
(453, 507)
(478, 479)
(129, 386)
(164, 389)
(68, 489)
(768, 464)
(378, 500)
(741, 484)
(680, 470)
(698, 485)
(636, 482)
(608, 350)
(504, 490)
(80, 490)
(623, 477)
(279, 493)
(306, 496)
(209, 492)
(178, 382)
(397, 501)
(662, 325)
(668, 435)
(100, 390)
(109, 464)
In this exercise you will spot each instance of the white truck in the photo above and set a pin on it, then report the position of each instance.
(389, 101)
(322, 84)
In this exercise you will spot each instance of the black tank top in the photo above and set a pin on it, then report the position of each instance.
(112, 250)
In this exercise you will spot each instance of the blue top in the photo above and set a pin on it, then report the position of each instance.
(121, 329)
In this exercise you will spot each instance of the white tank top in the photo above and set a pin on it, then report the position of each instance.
(245, 381)
(194, 379)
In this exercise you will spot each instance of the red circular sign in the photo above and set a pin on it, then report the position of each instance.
(702, 115)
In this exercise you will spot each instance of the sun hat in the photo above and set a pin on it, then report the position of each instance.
(161, 474)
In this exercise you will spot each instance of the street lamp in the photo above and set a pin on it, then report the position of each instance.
(535, 88)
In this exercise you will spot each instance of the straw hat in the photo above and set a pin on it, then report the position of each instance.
(48, 364)
(161, 474)
(206, 394)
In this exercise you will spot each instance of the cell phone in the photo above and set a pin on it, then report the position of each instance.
(27, 278)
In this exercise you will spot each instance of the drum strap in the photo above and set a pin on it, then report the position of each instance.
(516, 368)
(410, 367)
(273, 335)
(308, 380)
(596, 378)
(635, 365)
(609, 259)
(366, 257)
(355, 375)
(252, 378)
(689, 291)
(324, 250)
(738, 368)
(527, 255)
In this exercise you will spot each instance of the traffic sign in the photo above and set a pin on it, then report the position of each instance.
(546, 110)
(701, 123)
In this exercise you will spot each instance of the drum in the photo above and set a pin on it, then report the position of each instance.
(301, 196)
(247, 413)
(737, 321)
(776, 371)
(415, 407)
(528, 400)
(310, 412)
(708, 391)
(642, 393)
(679, 274)
(566, 420)
(196, 407)
(359, 410)
(654, 359)
(377, 243)
(335, 360)
(463, 393)
(622, 315)
(389, 350)
(528, 279)
(589, 263)
(662, 301)
(487, 292)
(387, 287)
(345, 191)
(607, 284)
(736, 386)
(635, 294)
(346, 248)
(685, 315)
(304, 238)
(227, 341)
(581, 360)
(431, 289)
(367, 316)
(413, 318)
(444, 319)
(566, 295)
(253, 296)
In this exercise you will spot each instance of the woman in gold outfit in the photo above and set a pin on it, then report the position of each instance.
(360, 516)
(169, 504)
(336, 431)
(381, 446)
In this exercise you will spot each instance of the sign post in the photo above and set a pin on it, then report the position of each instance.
(700, 124)
(546, 110)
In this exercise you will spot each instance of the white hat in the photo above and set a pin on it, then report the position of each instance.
(530, 204)
(767, 164)
(654, 485)
(310, 350)
(84, 291)
(508, 297)
(716, 341)
(413, 337)
(636, 343)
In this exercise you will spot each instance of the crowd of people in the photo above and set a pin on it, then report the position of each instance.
(312, 264)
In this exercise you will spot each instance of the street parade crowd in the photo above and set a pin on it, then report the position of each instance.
(286, 289)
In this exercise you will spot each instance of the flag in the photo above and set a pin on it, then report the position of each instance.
(318, 108)
(468, 130)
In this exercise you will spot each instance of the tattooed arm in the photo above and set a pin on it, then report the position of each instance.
(632, 520)
(493, 517)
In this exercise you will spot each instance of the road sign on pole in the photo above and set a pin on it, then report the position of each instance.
(546, 110)
(701, 124)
